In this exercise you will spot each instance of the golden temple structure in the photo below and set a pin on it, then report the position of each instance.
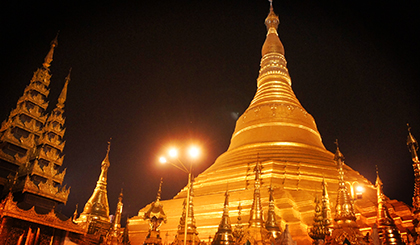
(276, 128)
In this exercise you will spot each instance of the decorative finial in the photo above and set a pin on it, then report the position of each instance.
(63, 95)
(272, 20)
(105, 162)
(413, 145)
(49, 58)
(120, 197)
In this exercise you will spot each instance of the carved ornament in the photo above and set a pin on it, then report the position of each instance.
(9, 208)
(41, 75)
(41, 88)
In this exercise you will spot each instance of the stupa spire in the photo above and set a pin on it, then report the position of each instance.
(224, 235)
(318, 231)
(49, 58)
(388, 231)
(413, 147)
(256, 213)
(325, 202)
(63, 95)
(187, 222)
(344, 211)
(97, 207)
(271, 224)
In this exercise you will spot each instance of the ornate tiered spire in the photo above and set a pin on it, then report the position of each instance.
(48, 156)
(325, 201)
(344, 207)
(322, 219)
(271, 224)
(256, 213)
(192, 233)
(224, 235)
(155, 213)
(388, 231)
(413, 147)
(97, 207)
(318, 231)
(116, 224)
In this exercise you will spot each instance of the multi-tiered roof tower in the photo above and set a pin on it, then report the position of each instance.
(294, 161)
(32, 143)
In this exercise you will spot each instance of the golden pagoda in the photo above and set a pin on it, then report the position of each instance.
(95, 216)
(294, 161)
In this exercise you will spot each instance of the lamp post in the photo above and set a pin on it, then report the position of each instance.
(193, 152)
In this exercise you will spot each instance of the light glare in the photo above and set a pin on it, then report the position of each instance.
(360, 188)
(173, 152)
(194, 151)
(163, 160)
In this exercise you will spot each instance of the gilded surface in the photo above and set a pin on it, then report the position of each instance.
(277, 128)
(97, 207)
(9, 208)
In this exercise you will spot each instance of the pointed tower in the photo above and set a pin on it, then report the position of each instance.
(20, 132)
(345, 229)
(256, 233)
(322, 218)
(413, 147)
(271, 224)
(115, 233)
(41, 174)
(224, 235)
(189, 222)
(388, 231)
(326, 208)
(278, 128)
(344, 210)
(318, 231)
(95, 215)
(156, 216)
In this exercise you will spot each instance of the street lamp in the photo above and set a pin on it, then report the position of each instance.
(356, 190)
(193, 152)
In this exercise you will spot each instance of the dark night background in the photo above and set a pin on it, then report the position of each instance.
(152, 73)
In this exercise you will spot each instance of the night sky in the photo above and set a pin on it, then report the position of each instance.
(149, 74)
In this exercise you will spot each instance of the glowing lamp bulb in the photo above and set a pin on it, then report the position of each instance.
(173, 152)
(360, 189)
(162, 160)
(194, 152)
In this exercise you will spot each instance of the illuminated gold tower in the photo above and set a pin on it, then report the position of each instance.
(276, 127)
(32, 144)
(95, 216)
